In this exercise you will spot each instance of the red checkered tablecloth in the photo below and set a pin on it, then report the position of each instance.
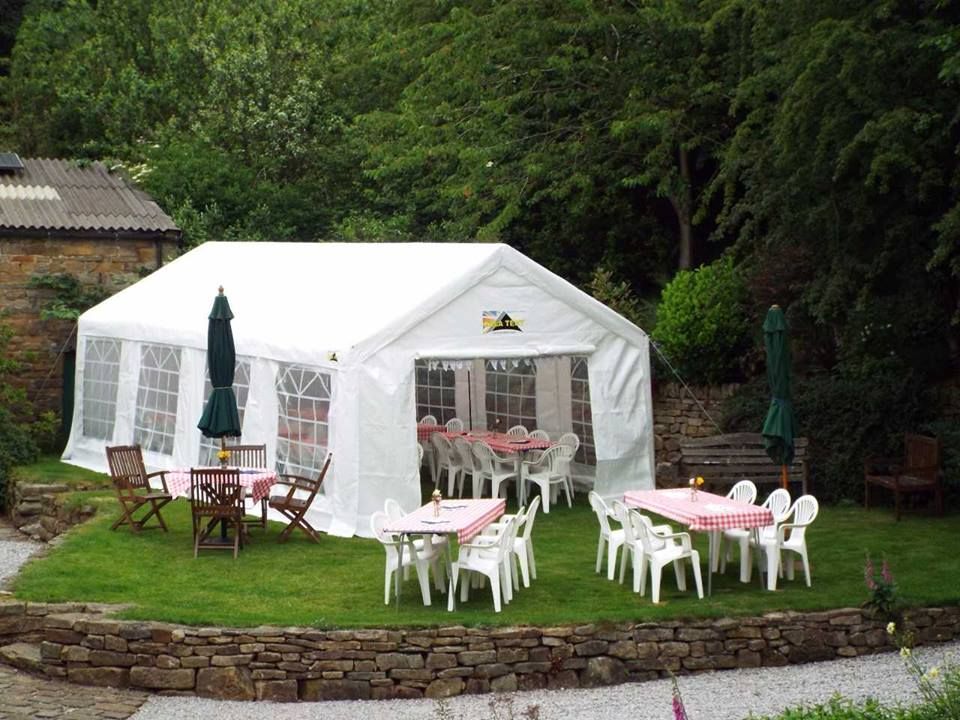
(258, 481)
(708, 512)
(425, 431)
(466, 518)
(503, 443)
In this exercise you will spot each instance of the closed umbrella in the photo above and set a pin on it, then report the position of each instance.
(779, 425)
(220, 418)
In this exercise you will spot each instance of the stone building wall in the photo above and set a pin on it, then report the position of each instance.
(81, 644)
(677, 416)
(36, 344)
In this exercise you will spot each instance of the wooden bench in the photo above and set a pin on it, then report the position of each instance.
(917, 473)
(724, 460)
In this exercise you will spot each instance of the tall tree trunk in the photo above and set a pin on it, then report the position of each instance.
(682, 203)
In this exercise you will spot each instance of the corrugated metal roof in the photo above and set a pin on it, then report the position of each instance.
(51, 194)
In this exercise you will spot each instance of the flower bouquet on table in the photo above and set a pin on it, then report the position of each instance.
(695, 484)
(436, 497)
(223, 456)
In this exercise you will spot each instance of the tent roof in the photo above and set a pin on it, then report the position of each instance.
(329, 296)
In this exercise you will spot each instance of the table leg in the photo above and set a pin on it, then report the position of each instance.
(759, 557)
(399, 570)
(714, 536)
(451, 581)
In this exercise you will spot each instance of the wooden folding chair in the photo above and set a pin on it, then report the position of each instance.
(216, 497)
(251, 456)
(295, 508)
(131, 481)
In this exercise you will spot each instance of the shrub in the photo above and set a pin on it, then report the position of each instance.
(702, 324)
(848, 414)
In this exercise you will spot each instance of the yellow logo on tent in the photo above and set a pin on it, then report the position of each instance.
(501, 321)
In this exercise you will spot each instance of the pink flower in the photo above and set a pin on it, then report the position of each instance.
(679, 711)
(885, 573)
(868, 575)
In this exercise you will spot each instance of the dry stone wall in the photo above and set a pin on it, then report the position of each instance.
(42, 511)
(82, 644)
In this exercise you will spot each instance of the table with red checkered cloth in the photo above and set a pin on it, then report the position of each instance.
(503, 443)
(466, 518)
(708, 512)
(425, 431)
(258, 481)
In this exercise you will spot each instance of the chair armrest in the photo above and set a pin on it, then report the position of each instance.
(684, 539)
(662, 530)
(162, 474)
(879, 465)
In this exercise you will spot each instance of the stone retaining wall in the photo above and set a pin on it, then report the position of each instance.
(82, 644)
(42, 511)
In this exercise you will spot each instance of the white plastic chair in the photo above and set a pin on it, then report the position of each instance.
(746, 492)
(518, 431)
(427, 420)
(778, 502)
(612, 539)
(539, 435)
(392, 509)
(522, 544)
(632, 548)
(571, 440)
(447, 460)
(545, 473)
(464, 452)
(454, 425)
(661, 550)
(487, 559)
(802, 514)
(421, 555)
(494, 468)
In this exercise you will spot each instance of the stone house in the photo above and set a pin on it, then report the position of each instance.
(73, 218)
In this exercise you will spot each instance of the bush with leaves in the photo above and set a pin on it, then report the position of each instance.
(702, 323)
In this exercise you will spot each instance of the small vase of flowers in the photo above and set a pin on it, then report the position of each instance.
(224, 457)
(695, 484)
(436, 497)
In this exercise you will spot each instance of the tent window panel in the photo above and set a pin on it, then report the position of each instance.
(580, 410)
(436, 394)
(241, 388)
(155, 419)
(101, 380)
(511, 397)
(303, 399)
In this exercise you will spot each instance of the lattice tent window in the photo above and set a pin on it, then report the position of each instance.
(241, 388)
(155, 420)
(582, 418)
(303, 398)
(435, 392)
(511, 394)
(101, 376)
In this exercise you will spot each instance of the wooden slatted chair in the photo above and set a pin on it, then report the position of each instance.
(295, 507)
(251, 456)
(216, 497)
(131, 481)
(917, 473)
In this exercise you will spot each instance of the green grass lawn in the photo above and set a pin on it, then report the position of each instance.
(339, 582)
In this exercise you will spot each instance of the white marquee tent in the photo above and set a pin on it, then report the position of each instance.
(334, 342)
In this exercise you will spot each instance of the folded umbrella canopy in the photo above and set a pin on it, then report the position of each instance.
(220, 418)
(779, 425)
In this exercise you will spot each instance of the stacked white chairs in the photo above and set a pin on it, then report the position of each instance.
(546, 473)
(422, 556)
(427, 448)
(518, 431)
(495, 468)
(488, 558)
(632, 548)
(447, 461)
(790, 536)
(746, 492)
(464, 453)
(454, 425)
(610, 540)
(778, 502)
(522, 551)
(571, 440)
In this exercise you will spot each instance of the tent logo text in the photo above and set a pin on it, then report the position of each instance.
(501, 321)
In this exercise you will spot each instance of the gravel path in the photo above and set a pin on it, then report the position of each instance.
(729, 695)
(14, 552)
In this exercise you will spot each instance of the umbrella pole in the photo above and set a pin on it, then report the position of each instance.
(783, 476)
(223, 523)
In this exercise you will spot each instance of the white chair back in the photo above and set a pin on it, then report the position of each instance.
(378, 521)
(442, 447)
(778, 502)
(622, 513)
(464, 452)
(560, 458)
(602, 512)
(427, 420)
(530, 516)
(646, 535)
(454, 425)
(744, 491)
(517, 431)
(484, 456)
(539, 435)
(392, 509)
(804, 511)
(570, 439)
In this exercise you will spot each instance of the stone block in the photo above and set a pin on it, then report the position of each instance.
(440, 661)
(334, 690)
(602, 671)
(477, 657)
(100, 676)
(224, 683)
(389, 661)
(157, 679)
(591, 648)
(107, 658)
(444, 688)
(276, 690)
(504, 683)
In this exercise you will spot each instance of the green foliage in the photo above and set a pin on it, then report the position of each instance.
(18, 433)
(883, 600)
(70, 297)
(701, 323)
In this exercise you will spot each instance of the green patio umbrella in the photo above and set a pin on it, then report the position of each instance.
(220, 418)
(779, 425)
